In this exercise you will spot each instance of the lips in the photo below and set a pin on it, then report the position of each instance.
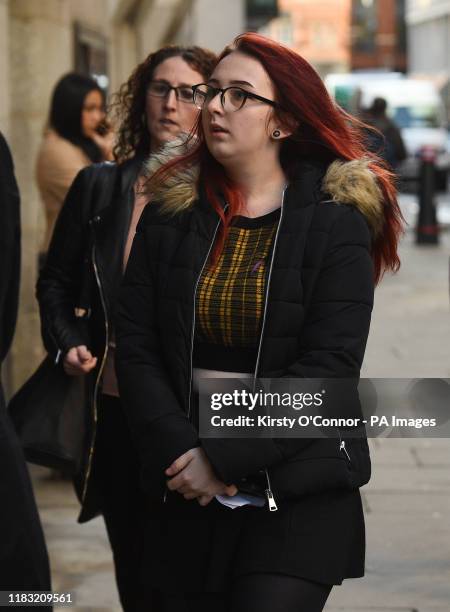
(217, 129)
(166, 121)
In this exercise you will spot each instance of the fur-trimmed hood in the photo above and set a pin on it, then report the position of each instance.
(346, 182)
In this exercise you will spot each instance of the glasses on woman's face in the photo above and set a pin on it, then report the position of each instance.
(161, 89)
(231, 98)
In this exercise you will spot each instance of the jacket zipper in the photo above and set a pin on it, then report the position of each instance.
(342, 446)
(269, 494)
(100, 372)
(193, 330)
(193, 314)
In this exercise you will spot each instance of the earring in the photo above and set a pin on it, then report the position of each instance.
(276, 133)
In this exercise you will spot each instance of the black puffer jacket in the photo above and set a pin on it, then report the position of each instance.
(318, 309)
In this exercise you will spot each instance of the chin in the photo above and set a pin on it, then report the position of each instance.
(220, 151)
(163, 135)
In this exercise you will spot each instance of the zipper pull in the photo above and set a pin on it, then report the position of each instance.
(342, 447)
(270, 498)
(165, 495)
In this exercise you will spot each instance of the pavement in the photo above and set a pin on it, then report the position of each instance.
(407, 501)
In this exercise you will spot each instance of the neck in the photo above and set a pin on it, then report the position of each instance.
(154, 145)
(262, 187)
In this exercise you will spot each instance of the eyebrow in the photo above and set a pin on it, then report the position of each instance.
(167, 83)
(233, 82)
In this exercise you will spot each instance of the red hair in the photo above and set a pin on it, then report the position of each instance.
(325, 131)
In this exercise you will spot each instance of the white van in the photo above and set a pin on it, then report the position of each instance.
(415, 106)
(418, 110)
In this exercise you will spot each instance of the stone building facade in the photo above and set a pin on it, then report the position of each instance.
(319, 30)
(42, 40)
(378, 35)
(428, 32)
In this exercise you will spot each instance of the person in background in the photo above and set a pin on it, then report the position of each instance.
(87, 255)
(388, 143)
(76, 136)
(23, 555)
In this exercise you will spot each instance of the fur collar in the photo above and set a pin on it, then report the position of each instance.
(345, 182)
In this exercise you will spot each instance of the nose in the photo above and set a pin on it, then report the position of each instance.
(98, 115)
(215, 104)
(170, 101)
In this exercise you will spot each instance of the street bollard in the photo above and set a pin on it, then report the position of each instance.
(427, 231)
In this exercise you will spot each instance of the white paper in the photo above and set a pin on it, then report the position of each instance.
(240, 499)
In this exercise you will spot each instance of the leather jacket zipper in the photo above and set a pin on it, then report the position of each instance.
(269, 493)
(99, 374)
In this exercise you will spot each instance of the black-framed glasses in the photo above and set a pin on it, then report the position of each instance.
(232, 98)
(161, 89)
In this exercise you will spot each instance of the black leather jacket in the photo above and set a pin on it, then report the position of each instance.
(82, 272)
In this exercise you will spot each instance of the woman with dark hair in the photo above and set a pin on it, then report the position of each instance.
(78, 285)
(257, 258)
(76, 136)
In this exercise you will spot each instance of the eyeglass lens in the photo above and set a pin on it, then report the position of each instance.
(232, 98)
(162, 90)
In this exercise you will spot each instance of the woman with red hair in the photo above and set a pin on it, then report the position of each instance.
(257, 258)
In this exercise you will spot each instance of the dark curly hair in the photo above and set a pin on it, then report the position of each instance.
(128, 105)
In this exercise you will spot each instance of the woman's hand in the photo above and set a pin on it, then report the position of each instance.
(105, 143)
(79, 361)
(193, 477)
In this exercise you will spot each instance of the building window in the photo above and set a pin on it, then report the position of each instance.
(280, 29)
(260, 12)
(90, 54)
(364, 25)
(400, 25)
(285, 30)
(323, 34)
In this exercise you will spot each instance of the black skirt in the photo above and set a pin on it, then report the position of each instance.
(193, 548)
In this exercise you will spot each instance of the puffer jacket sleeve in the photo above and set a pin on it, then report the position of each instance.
(59, 284)
(160, 427)
(336, 329)
(331, 344)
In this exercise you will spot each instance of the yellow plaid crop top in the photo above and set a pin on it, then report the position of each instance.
(230, 296)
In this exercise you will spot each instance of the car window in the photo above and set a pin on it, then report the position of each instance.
(424, 116)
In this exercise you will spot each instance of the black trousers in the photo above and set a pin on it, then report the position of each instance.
(254, 593)
(23, 555)
(116, 478)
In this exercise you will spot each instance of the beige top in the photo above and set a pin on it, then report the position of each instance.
(109, 381)
(58, 163)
